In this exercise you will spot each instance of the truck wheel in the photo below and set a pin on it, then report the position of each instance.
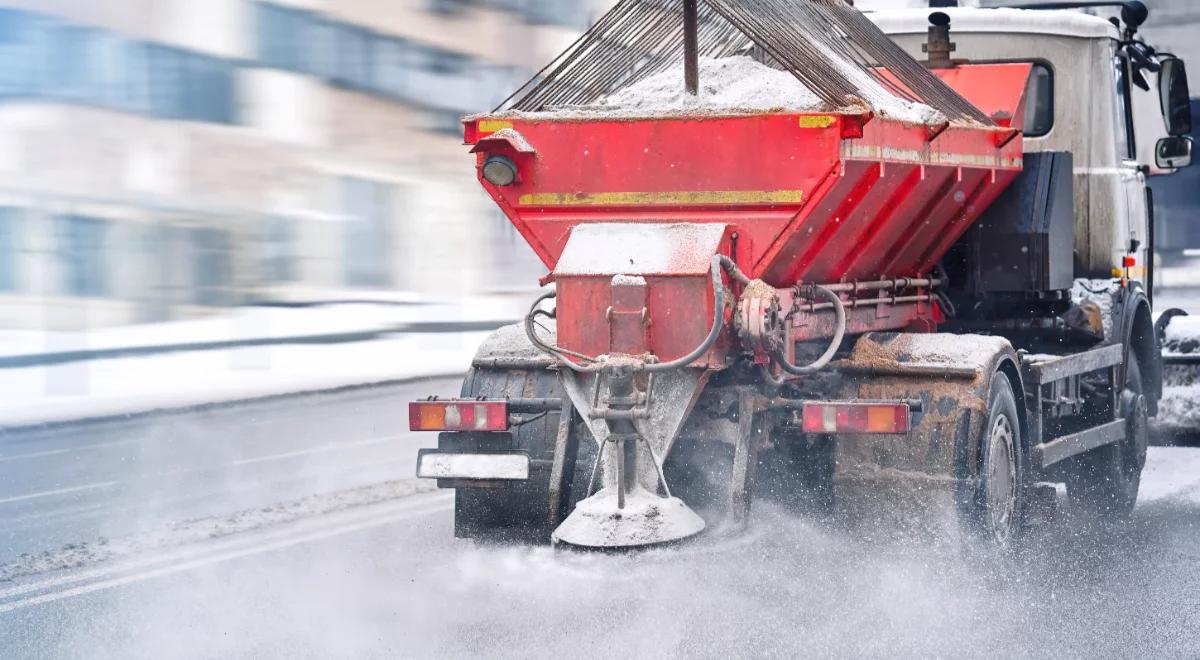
(511, 512)
(1104, 482)
(1000, 497)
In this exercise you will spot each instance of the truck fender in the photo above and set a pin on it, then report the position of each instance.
(941, 455)
(1134, 322)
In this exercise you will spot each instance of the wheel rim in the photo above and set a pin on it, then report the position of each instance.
(1001, 478)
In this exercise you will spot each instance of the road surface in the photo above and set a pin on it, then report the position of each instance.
(362, 562)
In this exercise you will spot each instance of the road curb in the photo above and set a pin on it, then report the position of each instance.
(64, 357)
(169, 411)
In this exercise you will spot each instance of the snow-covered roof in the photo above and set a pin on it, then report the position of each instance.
(1021, 21)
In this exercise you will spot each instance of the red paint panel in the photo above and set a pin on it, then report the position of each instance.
(712, 169)
(862, 201)
(997, 89)
(948, 208)
(680, 310)
(865, 244)
(751, 154)
(780, 266)
(628, 320)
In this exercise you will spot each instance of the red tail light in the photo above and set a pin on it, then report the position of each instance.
(458, 416)
(856, 418)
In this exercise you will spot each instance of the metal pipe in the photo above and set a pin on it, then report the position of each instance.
(883, 285)
(534, 405)
(691, 47)
(834, 344)
(871, 302)
(513, 363)
(907, 371)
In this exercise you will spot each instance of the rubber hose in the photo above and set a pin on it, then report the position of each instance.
(713, 333)
(839, 311)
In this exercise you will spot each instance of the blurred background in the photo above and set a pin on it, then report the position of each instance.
(162, 159)
(166, 159)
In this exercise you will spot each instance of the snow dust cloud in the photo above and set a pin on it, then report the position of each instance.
(785, 588)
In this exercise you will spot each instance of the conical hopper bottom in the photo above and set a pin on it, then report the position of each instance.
(645, 520)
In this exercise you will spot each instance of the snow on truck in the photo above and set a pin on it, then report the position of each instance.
(851, 262)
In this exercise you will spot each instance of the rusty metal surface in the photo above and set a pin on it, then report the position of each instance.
(913, 479)
(668, 316)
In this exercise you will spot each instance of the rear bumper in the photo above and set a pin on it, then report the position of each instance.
(455, 466)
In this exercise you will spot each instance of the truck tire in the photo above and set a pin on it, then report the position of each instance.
(516, 512)
(1104, 482)
(1001, 495)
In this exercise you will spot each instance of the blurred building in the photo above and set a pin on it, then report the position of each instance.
(161, 158)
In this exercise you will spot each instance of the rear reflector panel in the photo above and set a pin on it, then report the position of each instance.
(834, 417)
(458, 416)
(432, 464)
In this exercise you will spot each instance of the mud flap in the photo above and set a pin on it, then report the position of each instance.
(923, 480)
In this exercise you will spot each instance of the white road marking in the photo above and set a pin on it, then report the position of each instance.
(161, 501)
(66, 450)
(60, 491)
(336, 530)
(36, 454)
(315, 450)
(236, 540)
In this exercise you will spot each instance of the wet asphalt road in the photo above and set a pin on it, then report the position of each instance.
(388, 580)
(70, 483)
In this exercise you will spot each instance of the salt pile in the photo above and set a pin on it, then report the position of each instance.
(728, 83)
(740, 84)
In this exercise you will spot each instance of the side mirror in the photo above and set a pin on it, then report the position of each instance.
(1173, 153)
(1174, 95)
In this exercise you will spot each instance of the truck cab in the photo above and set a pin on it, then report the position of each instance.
(1097, 92)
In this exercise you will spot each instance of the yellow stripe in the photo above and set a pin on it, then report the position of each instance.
(1136, 271)
(664, 198)
(493, 125)
(817, 121)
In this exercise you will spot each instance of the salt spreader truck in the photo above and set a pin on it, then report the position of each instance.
(917, 279)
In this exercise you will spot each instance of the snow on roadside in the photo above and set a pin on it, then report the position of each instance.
(1179, 407)
(265, 322)
(1172, 473)
(90, 553)
(1180, 404)
(120, 386)
(1183, 335)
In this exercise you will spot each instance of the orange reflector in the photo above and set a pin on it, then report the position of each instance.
(856, 418)
(458, 416)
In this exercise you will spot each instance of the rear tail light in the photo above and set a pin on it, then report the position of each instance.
(458, 416)
(856, 418)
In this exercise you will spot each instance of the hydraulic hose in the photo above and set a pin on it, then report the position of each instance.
(839, 311)
(553, 351)
(718, 263)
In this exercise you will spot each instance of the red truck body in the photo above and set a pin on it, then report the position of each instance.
(815, 197)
